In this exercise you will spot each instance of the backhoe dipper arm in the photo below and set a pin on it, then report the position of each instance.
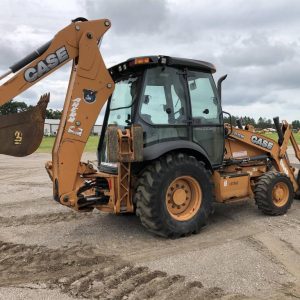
(90, 86)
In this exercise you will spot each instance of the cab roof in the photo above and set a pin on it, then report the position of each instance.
(145, 61)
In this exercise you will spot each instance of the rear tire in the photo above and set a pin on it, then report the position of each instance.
(174, 196)
(274, 193)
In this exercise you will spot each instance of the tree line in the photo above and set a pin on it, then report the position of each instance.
(13, 107)
(261, 123)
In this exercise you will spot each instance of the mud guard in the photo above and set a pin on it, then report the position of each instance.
(22, 133)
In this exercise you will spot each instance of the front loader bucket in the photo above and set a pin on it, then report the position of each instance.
(22, 133)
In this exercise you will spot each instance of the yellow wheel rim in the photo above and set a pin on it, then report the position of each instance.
(280, 194)
(183, 198)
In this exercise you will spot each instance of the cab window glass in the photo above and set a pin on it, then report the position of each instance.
(122, 100)
(204, 101)
(163, 98)
(154, 105)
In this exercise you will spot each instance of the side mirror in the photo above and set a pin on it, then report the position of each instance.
(219, 86)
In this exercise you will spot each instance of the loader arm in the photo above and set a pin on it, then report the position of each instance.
(90, 85)
(249, 141)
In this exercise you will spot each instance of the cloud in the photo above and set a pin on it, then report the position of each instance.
(236, 15)
(130, 16)
(7, 55)
(29, 40)
(256, 42)
(257, 50)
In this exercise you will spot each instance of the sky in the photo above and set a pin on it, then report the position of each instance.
(257, 43)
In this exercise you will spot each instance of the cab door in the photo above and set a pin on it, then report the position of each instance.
(163, 106)
(206, 115)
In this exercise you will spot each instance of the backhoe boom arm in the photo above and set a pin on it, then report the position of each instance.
(89, 87)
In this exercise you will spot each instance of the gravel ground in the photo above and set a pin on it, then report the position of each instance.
(48, 251)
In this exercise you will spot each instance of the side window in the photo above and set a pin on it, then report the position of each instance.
(154, 105)
(163, 99)
(122, 99)
(204, 102)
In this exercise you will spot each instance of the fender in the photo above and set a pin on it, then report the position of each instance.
(157, 150)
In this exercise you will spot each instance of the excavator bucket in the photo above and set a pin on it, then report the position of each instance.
(22, 133)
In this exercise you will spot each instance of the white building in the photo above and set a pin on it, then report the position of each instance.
(96, 130)
(51, 127)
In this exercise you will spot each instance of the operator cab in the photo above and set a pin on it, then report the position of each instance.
(176, 102)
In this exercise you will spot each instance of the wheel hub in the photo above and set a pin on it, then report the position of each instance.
(184, 197)
(179, 196)
(280, 194)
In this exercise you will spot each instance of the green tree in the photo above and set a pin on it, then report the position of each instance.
(264, 123)
(248, 120)
(13, 107)
(232, 120)
(245, 120)
(53, 114)
(296, 124)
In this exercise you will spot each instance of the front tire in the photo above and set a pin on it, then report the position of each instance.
(174, 196)
(274, 193)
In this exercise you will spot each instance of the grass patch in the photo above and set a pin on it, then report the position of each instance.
(274, 136)
(271, 135)
(48, 141)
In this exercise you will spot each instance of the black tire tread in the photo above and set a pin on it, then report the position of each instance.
(262, 200)
(146, 189)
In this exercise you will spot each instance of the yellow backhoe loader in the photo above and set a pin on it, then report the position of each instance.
(164, 151)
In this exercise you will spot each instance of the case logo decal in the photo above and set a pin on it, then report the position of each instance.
(262, 142)
(46, 65)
